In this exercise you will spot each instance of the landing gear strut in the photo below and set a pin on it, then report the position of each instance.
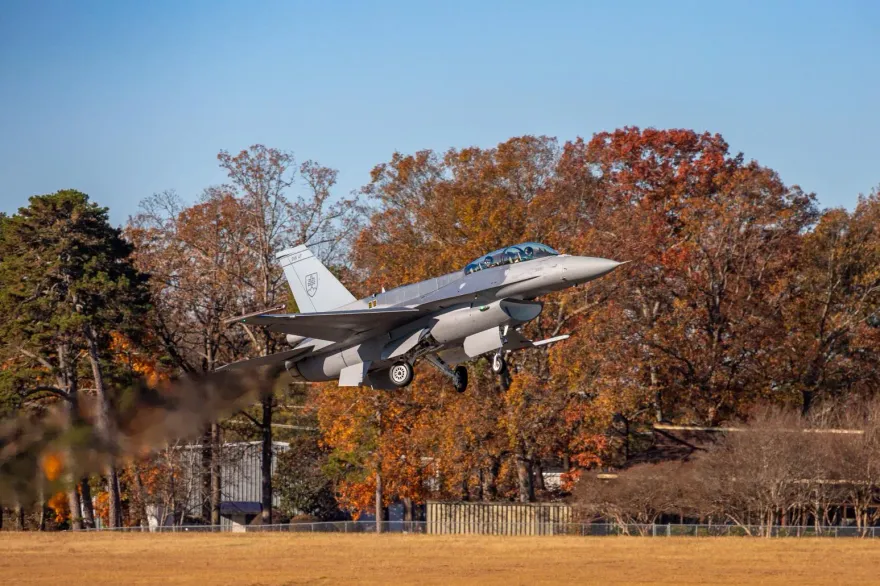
(459, 375)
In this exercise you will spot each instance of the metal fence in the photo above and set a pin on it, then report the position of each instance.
(496, 518)
(570, 529)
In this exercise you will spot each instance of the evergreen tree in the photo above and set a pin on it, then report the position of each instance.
(66, 283)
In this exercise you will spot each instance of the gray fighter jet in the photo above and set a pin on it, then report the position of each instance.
(445, 321)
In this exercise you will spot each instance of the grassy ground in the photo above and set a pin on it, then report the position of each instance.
(68, 559)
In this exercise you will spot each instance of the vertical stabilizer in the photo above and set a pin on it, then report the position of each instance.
(314, 286)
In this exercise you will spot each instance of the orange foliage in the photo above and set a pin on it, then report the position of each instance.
(60, 506)
(144, 366)
(673, 335)
(52, 464)
(102, 506)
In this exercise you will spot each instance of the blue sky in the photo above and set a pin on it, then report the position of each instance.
(122, 99)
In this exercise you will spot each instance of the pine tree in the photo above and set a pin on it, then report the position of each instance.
(66, 283)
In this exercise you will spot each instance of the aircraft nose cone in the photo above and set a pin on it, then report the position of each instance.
(580, 269)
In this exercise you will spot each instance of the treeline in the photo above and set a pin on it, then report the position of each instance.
(779, 469)
(741, 291)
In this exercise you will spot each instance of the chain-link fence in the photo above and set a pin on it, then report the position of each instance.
(572, 529)
(321, 527)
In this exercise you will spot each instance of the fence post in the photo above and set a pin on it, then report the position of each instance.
(668, 530)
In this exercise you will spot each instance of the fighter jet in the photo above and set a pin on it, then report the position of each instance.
(445, 322)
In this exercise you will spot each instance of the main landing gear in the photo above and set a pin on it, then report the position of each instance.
(401, 374)
(460, 378)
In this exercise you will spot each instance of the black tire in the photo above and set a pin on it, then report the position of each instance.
(400, 374)
(498, 363)
(460, 379)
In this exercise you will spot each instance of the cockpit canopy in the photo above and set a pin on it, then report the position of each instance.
(510, 255)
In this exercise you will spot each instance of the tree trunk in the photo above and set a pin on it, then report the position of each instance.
(524, 478)
(380, 497)
(490, 479)
(104, 425)
(18, 515)
(76, 520)
(73, 497)
(41, 510)
(807, 398)
(207, 466)
(538, 468)
(216, 496)
(266, 463)
(658, 394)
(88, 509)
(115, 503)
(138, 511)
(407, 509)
(566, 462)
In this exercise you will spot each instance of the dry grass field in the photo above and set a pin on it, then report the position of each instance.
(395, 559)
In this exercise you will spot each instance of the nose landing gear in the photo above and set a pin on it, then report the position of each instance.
(499, 365)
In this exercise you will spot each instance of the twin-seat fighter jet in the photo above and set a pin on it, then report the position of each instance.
(445, 321)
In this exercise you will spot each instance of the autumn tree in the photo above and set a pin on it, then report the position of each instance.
(261, 180)
(216, 260)
(712, 239)
(303, 487)
(437, 212)
(833, 309)
(194, 257)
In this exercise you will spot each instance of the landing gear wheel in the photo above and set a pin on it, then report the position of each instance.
(460, 379)
(499, 365)
(401, 374)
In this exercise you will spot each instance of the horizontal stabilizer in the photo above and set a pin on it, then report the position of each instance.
(336, 326)
(276, 358)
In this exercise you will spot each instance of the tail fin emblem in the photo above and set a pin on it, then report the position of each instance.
(312, 284)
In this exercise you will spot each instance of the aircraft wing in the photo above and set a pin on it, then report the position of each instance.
(336, 326)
